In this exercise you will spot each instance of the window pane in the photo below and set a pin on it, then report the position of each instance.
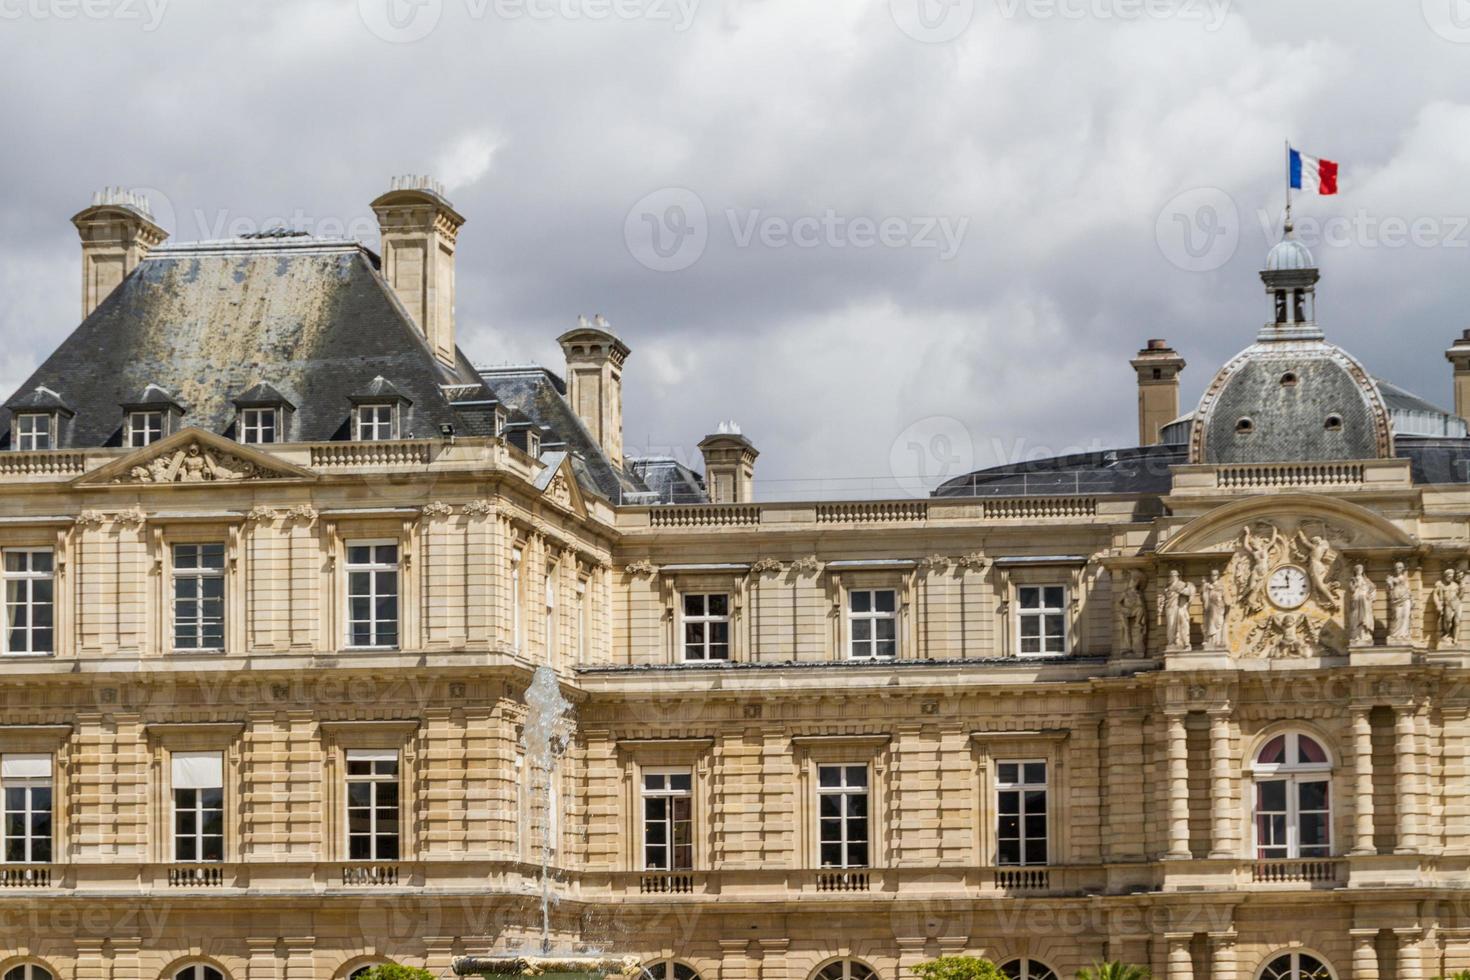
(694, 605)
(1030, 597)
(886, 600)
(1055, 596)
(719, 605)
(1035, 772)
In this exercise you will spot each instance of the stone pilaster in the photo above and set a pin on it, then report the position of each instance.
(1411, 960)
(1221, 757)
(299, 959)
(1363, 782)
(263, 964)
(1365, 954)
(1224, 964)
(773, 962)
(92, 963)
(1406, 780)
(735, 960)
(1181, 962)
(1178, 787)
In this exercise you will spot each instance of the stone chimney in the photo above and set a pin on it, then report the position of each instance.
(729, 466)
(117, 232)
(595, 382)
(1158, 367)
(1459, 356)
(419, 229)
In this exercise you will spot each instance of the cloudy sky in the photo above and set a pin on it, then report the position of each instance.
(885, 236)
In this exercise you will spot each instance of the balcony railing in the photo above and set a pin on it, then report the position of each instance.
(196, 876)
(367, 455)
(666, 883)
(1023, 879)
(1298, 871)
(370, 875)
(25, 876)
(843, 881)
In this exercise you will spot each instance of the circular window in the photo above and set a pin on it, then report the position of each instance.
(1245, 425)
(199, 971)
(28, 971)
(1024, 969)
(1288, 380)
(1333, 423)
(1296, 966)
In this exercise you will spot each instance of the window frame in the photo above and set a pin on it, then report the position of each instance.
(372, 569)
(29, 811)
(549, 626)
(1026, 969)
(517, 618)
(29, 970)
(708, 620)
(245, 426)
(1022, 789)
(373, 779)
(199, 575)
(583, 619)
(845, 965)
(872, 616)
(21, 436)
(1040, 612)
(670, 796)
(844, 791)
(1294, 776)
(1294, 967)
(361, 423)
(29, 578)
(132, 429)
(198, 810)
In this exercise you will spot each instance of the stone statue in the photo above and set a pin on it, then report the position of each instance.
(1133, 611)
(1361, 592)
(1400, 605)
(1447, 593)
(1174, 599)
(1256, 550)
(1212, 595)
(1319, 568)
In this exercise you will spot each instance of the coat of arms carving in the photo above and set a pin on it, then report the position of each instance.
(193, 464)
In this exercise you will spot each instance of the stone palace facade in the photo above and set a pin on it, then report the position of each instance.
(279, 562)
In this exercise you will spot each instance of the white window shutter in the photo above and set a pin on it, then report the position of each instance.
(16, 766)
(198, 770)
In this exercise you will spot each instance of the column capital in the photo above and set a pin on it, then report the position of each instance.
(1223, 711)
(769, 946)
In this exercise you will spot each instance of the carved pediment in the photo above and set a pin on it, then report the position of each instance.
(1290, 518)
(558, 483)
(194, 456)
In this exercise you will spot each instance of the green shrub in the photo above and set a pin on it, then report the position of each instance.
(1114, 971)
(396, 971)
(958, 968)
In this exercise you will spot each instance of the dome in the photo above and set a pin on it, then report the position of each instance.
(1289, 255)
(1291, 401)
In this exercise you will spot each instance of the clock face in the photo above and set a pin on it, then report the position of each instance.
(1287, 588)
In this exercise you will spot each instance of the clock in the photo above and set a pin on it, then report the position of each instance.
(1288, 587)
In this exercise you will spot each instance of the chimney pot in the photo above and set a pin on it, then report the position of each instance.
(1157, 366)
(729, 465)
(117, 232)
(419, 228)
(595, 358)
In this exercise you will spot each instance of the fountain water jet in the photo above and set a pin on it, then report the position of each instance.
(545, 736)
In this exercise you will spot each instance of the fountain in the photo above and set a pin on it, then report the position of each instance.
(545, 737)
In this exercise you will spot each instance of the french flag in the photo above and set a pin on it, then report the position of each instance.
(1313, 174)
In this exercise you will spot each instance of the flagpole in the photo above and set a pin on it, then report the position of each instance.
(1288, 187)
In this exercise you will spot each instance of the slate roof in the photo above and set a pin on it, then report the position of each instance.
(674, 482)
(1144, 470)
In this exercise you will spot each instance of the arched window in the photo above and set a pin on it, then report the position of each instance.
(1293, 803)
(1024, 969)
(28, 971)
(199, 971)
(361, 971)
(1296, 966)
(845, 970)
(669, 970)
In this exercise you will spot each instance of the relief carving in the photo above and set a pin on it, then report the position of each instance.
(193, 464)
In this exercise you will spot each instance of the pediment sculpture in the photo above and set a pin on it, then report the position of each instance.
(194, 463)
(1283, 592)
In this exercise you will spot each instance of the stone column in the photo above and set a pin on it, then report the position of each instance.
(1223, 964)
(1405, 781)
(263, 964)
(1365, 954)
(300, 957)
(1181, 963)
(438, 954)
(1363, 783)
(1178, 788)
(773, 958)
(91, 963)
(1220, 796)
(735, 959)
(1411, 963)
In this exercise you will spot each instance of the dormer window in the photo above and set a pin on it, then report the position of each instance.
(143, 428)
(258, 426)
(376, 423)
(33, 431)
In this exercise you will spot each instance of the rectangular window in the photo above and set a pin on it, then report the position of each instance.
(515, 599)
(144, 428)
(26, 783)
(842, 816)
(32, 431)
(1020, 806)
(551, 616)
(668, 821)
(872, 621)
(1292, 818)
(707, 626)
(372, 594)
(30, 596)
(199, 806)
(375, 423)
(372, 805)
(1043, 619)
(257, 425)
(199, 596)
